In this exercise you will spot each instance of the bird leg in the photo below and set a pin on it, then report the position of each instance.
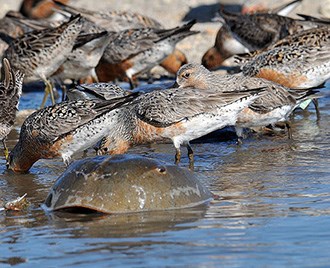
(190, 156)
(177, 156)
(48, 90)
(131, 83)
(317, 110)
(240, 135)
(5, 150)
(288, 127)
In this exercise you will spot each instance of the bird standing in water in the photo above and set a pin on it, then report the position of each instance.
(10, 92)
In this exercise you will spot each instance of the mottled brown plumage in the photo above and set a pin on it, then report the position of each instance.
(62, 130)
(135, 51)
(301, 60)
(274, 106)
(177, 115)
(10, 92)
(38, 54)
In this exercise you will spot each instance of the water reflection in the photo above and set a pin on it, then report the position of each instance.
(126, 225)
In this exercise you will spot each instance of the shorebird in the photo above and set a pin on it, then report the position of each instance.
(132, 52)
(272, 107)
(261, 30)
(10, 92)
(301, 60)
(38, 54)
(118, 21)
(62, 130)
(175, 115)
(85, 55)
(226, 44)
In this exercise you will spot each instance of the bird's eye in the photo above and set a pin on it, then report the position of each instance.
(186, 75)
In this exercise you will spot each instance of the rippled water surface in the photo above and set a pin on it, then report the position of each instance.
(274, 209)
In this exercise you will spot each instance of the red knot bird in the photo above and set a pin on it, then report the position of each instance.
(38, 54)
(261, 30)
(63, 129)
(135, 51)
(270, 108)
(87, 51)
(175, 115)
(117, 21)
(227, 45)
(10, 92)
(298, 61)
(301, 60)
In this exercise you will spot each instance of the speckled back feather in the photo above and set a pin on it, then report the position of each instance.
(10, 92)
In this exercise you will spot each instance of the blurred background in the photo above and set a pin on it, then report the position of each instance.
(171, 13)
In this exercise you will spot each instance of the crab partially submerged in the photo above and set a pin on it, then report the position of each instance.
(125, 183)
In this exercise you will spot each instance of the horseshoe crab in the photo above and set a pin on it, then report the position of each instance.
(125, 183)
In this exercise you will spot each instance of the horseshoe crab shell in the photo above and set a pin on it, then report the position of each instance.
(125, 183)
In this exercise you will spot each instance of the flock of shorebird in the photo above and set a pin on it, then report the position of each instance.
(285, 62)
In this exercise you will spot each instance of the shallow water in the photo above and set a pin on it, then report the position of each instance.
(274, 209)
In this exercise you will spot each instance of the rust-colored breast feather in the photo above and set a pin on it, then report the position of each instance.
(292, 80)
(54, 150)
(148, 133)
(108, 72)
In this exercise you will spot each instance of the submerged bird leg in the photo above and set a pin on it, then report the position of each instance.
(239, 141)
(131, 84)
(67, 161)
(5, 150)
(131, 81)
(317, 110)
(177, 156)
(190, 156)
(288, 127)
(239, 133)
